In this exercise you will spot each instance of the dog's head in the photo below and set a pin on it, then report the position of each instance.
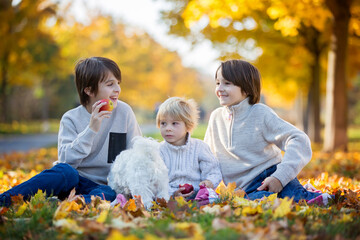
(147, 145)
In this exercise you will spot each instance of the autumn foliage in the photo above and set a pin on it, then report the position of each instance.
(233, 216)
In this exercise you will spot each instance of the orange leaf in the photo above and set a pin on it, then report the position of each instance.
(130, 205)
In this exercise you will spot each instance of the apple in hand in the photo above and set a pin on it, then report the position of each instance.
(188, 188)
(108, 107)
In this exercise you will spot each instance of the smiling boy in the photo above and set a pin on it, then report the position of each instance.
(89, 139)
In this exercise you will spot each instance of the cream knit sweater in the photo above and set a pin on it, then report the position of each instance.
(190, 163)
(248, 139)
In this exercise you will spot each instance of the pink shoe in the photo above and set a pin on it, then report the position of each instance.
(119, 199)
(321, 200)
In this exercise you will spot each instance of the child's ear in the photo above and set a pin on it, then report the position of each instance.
(88, 91)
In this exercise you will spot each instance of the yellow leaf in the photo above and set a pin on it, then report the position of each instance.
(61, 211)
(73, 206)
(248, 211)
(65, 208)
(237, 212)
(193, 230)
(346, 218)
(181, 201)
(21, 210)
(102, 217)
(270, 198)
(221, 187)
(227, 191)
(284, 207)
(239, 201)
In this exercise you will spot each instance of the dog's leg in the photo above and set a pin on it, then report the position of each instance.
(141, 185)
(163, 189)
(146, 194)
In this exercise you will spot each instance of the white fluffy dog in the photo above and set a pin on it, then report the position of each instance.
(140, 171)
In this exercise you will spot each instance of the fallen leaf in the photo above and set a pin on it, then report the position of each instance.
(284, 207)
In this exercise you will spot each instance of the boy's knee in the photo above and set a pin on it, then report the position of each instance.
(70, 174)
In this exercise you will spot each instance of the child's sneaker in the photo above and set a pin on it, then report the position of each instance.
(120, 199)
(321, 200)
(206, 195)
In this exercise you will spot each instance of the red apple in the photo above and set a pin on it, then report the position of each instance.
(108, 107)
(188, 188)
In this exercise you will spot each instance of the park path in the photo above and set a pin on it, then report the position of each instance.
(24, 143)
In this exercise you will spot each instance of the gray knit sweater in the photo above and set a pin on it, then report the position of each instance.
(190, 163)
(248, 139)
(86, 150)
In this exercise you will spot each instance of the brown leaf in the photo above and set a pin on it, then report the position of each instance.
(161, 202)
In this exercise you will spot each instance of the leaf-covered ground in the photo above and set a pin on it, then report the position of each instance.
(232, 217)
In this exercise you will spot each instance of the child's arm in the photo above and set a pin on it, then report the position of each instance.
(97, 116)
(178, 193)
(271, 184)
(73, 147)
(208, 138)
(209, 167)
(295, 144)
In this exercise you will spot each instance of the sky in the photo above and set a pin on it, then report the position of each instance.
(145, 14)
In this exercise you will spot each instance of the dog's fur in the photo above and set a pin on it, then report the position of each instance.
(140, 171)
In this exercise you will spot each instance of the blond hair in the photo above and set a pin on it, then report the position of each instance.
(179, 108)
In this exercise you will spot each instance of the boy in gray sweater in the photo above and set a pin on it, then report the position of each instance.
(89, 138)
(247, 137)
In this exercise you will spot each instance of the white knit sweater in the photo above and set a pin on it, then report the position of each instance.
(248, 139)
(190, 163)
(86, 150)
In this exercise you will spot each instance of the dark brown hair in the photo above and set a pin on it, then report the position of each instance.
(244, 75)
(90, 71)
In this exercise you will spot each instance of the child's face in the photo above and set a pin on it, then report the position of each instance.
(173, 130)
(109, 89)
(227, 93)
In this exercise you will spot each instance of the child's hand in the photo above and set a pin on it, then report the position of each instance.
(207, 183)
(97, 116)
(178, 193)
(271, 184)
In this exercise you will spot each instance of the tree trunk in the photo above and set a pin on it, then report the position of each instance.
(314, 45)
(4, 64)
(3, 89)
(336, 86)
(313, 104)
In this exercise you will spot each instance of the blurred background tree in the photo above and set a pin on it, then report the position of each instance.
(289, 42)
(306, 50)
(41, 44)
(150, 72)
(27, 52)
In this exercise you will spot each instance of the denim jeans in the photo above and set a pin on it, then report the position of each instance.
(292, 189)
(58, 181)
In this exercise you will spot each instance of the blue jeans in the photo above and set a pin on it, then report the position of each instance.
(292, 189)
(58, 181)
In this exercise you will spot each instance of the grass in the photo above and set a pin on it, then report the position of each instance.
(354, 133)
(228, 218)
(30, 127)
